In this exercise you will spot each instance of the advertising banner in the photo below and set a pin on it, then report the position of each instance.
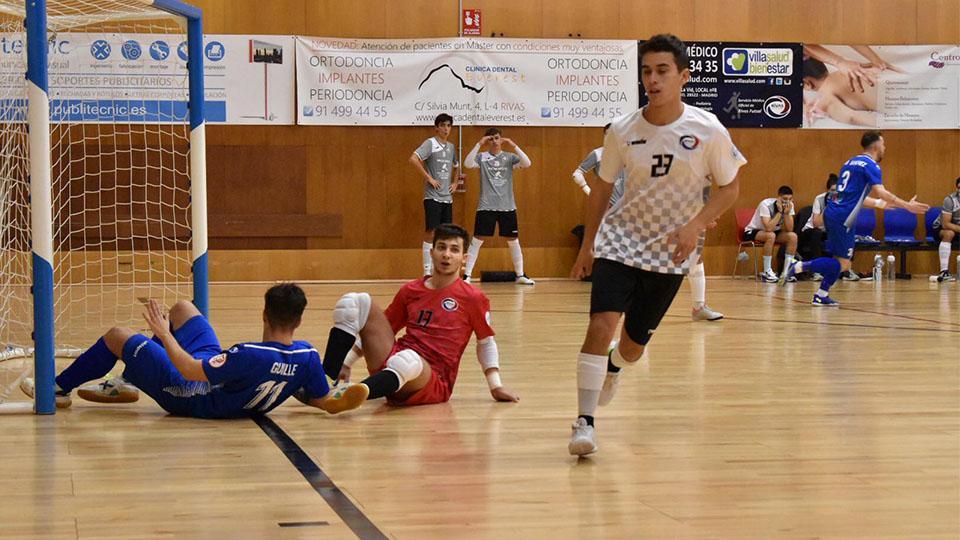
(479, 81)
(884, 86)
(141, 78)
(745, 84)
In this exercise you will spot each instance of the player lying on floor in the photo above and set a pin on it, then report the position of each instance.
(184, 369)
(439, 313)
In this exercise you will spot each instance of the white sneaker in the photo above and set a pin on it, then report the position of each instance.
(524, 280)
(583, 440)
(610, 384)
(467, 279)
(62, 399)
(816, 277)
(706, 314)
(769, 277)
(115, 390)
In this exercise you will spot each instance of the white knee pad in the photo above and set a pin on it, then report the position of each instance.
(407, 364)
(351, 312)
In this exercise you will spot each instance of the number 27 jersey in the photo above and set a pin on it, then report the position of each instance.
(667, 168)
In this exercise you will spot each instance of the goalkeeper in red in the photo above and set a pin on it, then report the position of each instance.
(439, 313)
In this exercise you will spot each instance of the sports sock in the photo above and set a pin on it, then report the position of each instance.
(767, 259)
(516, 255)
(339, 343)
(788, 260)
(591, 372)
(698, 285)
(93, 364)
(472, 254)
(382, 384)
(427, 261)
(944, 251)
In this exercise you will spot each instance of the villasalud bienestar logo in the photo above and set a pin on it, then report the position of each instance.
(749, 62)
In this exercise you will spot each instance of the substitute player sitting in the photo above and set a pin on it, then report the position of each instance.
(189, 374)
(439, 313)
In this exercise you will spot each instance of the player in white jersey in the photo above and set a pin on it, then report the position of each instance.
(435, 160)
(652, 237)
(697, 276)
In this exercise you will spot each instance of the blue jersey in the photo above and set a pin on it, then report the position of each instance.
(857, 177)
(252, 379)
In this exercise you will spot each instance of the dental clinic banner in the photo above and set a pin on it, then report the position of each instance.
(141, 78)
(745, 84)
(478, 81)
(883, 86)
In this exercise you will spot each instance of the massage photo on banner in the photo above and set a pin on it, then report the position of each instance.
(887, 87)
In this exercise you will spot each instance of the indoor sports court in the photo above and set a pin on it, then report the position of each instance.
(206, 154)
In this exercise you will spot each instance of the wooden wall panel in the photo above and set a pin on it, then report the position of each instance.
(362, 173)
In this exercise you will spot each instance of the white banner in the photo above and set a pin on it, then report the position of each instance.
(108, 78)
(478, 81)
(884, 86)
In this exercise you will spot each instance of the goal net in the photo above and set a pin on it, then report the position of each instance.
(124, 217)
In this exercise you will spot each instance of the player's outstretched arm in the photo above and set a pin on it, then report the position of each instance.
(188, 366)
(580, 180)
(489, 358)
(914, 206)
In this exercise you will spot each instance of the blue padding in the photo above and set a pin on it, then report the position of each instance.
(201, 292)
(45, 368)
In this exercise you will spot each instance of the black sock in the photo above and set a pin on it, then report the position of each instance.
(610, 367)
(338, 346)
(382, 384)
(589, 419)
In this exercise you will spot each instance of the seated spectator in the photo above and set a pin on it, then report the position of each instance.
(810, 242)
(772, 223)
(947, 228)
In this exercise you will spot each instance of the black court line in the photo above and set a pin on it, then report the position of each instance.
(338, 501)
(288, 524)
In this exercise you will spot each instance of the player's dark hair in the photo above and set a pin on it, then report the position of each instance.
(284, 304)
(490, 132)
(668, 43)
(606, 127)
(441, 118)
(832, 180)
(814, 68)
(869, 138)
(785, 190)
(448, 231)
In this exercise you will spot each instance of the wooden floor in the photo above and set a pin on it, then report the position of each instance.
(782, 421)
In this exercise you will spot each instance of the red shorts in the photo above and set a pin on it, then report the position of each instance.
(436, 390)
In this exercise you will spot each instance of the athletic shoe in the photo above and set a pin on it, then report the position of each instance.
(115, 390)
(816, 277)
(945, 276)
(850, 275)
(62, 399)
(706, 314)
(824, 301)
(467, 279)
(583, 440)
(346, 398)
(610, 384)
(524, 280)
(789, 274)
(769, 277)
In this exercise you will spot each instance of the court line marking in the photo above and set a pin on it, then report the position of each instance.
(354, 518)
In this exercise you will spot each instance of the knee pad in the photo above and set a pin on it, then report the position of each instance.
(407, 364)
(351, 312)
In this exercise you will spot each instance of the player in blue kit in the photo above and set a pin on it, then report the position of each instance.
(860, 186)
(184, 369)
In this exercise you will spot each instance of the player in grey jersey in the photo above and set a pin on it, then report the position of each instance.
(654, 234)
(947, 228)
(435, 160)
(497, 208)
(697, 276)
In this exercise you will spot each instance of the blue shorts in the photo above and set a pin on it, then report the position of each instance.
(149, 367)
(840, 240)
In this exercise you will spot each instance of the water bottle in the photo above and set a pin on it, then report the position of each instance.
(877, 267)
(891, 267)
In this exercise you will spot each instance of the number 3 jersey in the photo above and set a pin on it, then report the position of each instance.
(667, 168)
(439, 322)
(249, 379)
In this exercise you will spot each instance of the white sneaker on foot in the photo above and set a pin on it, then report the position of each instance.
(769, 277)
(610, 384)
(524, 280)
(28, 387)
(583, 440)
(115, 390)
(704, 313)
